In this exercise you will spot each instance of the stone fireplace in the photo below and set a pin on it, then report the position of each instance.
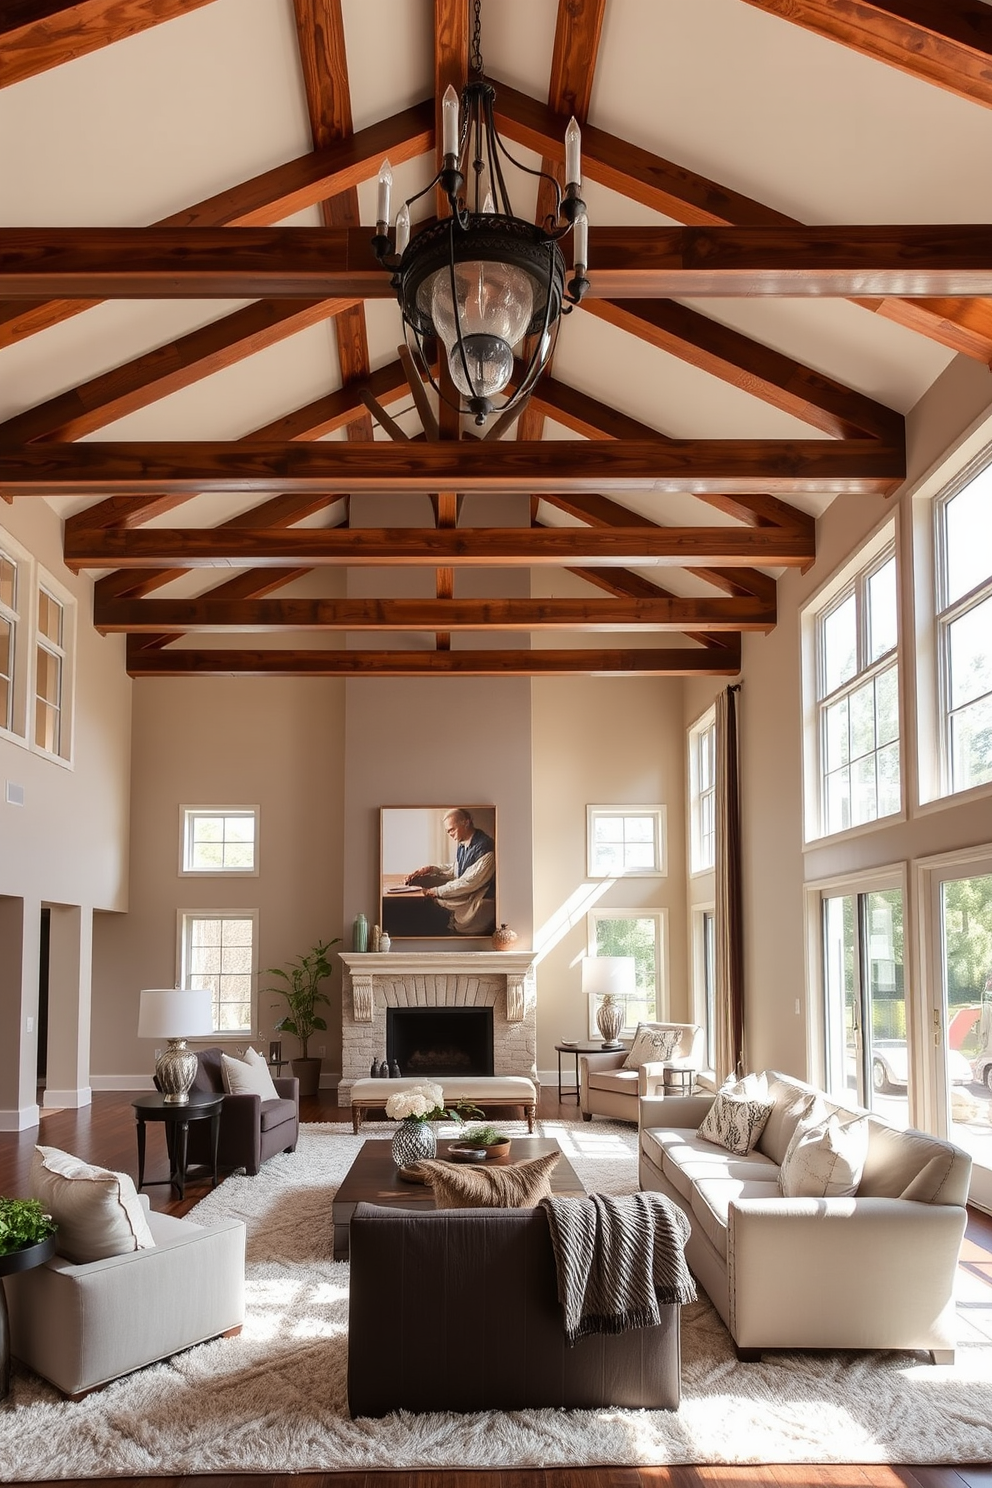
(498, 984)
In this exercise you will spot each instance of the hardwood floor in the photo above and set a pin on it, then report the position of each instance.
(104, 1133)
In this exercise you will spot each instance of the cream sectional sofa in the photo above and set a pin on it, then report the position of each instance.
(873, 1271)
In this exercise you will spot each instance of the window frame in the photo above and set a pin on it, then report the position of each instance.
(660, 817)
(853, 578)
(702, 728)
(945, 614)
(187, 817)
(661, 990)
(185, 917)
(704, 977)
(21, 615)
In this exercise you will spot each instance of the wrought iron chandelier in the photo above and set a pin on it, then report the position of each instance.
(481, 280)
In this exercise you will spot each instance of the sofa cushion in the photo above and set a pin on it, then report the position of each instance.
(275, 1112)
(519, 1186)
(248, 1076)
(97, 1211)
(791, 1101)
(623, 1081)
(825, 1159)
(653, 1041)
(684, 1157)
(896, 1158)
(735, 1121)
(711, 1200)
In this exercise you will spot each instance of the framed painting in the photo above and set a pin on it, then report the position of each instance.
(438, 872)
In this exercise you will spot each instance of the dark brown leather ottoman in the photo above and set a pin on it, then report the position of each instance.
(457, 1309)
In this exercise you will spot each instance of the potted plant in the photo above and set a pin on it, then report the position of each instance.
(23, 1223)
(488, 1139)
(300, 985)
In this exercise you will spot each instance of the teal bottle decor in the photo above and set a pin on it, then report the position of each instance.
(360, 937)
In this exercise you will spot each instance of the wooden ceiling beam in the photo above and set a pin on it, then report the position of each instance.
(36, 35)
(482, 547)
(625, 262)
(135, 384)
(249, 614)
(335, 410)
(631, 662)
(264, 200)
(738, 582)
(755, 369)
(253, 584)
(759, 510)
(588, 416)
(944, 42)
(851, 466)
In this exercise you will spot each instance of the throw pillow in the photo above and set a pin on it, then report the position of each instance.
(652, 1042)
(825, 1161)
(97, 1211)
(519, 1186)
(735, 1122)
(248, 1076)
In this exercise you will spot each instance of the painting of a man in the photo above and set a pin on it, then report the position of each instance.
(453, 896)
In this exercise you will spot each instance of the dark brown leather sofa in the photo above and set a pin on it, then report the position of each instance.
(251, 1130)
(457, 1309)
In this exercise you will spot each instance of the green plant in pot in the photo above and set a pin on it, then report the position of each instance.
(23, 1222)
(488, 1139)
(299, 983)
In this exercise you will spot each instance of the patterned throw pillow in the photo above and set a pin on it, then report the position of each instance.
(519, 1186)
(652, 1042)
(735, 1121)
(825, 1161)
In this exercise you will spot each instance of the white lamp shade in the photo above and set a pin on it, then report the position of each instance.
(175, 1012)
(602, 975)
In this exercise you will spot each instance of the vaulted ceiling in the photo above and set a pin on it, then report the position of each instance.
(200, 363)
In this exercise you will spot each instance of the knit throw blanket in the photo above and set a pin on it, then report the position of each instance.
(617, 1260)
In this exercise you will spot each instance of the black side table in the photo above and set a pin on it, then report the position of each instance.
(201, 1106)
(580, 1047)
(24, 1259)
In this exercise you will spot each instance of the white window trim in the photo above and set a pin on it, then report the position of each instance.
(65, 754)
(943, 614)
(187, 812)
(698, 954)
(23, 627)
(661, 996)
(205, 912)
(660, 814)
(885, 536)
(701, 726)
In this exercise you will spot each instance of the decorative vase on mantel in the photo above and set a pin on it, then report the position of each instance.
(504, 938)
(412, 1141)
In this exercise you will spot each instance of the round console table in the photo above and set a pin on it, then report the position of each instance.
(202, 1105)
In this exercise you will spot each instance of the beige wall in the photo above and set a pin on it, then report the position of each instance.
(66, 847)
(600, 741)
(272, 742)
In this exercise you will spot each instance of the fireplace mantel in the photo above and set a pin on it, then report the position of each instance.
(364, 966)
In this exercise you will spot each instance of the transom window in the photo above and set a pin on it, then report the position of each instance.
(702, 793)
(964, 632)
(50, 669)
(857, 699)
(624, 841)
(220, 839)
(217, 951)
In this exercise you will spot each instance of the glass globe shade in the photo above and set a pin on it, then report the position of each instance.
(495, 305)
(490, 365)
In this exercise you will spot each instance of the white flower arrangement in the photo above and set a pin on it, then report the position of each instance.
(418, 1103)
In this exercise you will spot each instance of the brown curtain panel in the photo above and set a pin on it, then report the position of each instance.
(729, 1041)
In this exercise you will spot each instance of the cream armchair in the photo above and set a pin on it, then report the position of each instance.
(607, 1089)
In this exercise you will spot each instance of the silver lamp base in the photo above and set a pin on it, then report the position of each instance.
(175, 1071)
(609, 1021)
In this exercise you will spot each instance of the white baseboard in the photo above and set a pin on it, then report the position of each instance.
(122, 1082)
(21, 1120)
(67, 1100)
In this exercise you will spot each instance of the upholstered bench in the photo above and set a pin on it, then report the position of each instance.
(499, 1091)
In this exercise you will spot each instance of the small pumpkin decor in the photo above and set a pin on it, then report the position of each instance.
(504, 938)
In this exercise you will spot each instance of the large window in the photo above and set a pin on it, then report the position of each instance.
(220, 839)
(963, 541)
(625, 841)
(852, 684)
(702, 794)
(8, 637)
(217, 950)
(638, 933)
(49, 673)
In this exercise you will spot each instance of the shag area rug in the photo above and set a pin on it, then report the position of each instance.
(274, 1400)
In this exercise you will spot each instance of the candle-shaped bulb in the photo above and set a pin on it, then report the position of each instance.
(449, 121)
(489, 206)
(573, 153)
(382, 197)
(580, 228)
(402, 228)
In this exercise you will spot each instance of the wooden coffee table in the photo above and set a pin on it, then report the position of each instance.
(373, 1179)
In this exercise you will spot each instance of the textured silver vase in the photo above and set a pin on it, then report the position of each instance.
(413, 1140)
(175, 1071)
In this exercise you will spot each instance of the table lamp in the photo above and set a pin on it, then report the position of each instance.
(175, 1014)
(611, 978)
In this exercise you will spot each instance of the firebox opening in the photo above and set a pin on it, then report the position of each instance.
(440, 1041)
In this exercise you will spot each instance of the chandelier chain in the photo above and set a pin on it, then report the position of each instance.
(477, 65)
